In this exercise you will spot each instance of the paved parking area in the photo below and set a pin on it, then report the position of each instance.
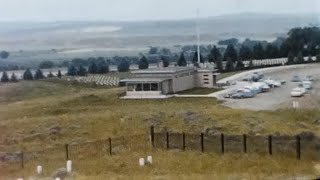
(277, 97)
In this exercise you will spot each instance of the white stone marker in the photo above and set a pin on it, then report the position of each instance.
(57, 179)
(19, 179)
(141, 162)
(149, 159)
(69, 166)
(39, 170)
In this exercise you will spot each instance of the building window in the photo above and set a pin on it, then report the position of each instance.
(206, 83)
(205, 75)
(154, 87)
(139, 87)
(206, 79)
(146, 87)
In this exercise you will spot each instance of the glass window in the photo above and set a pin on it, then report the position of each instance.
(146, 87)
(139, 87)
(154, 87)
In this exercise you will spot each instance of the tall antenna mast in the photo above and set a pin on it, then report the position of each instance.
(198, 36)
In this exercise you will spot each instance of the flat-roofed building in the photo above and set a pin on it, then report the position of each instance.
(160, 82)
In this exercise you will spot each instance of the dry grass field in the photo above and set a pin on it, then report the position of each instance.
(40, 115)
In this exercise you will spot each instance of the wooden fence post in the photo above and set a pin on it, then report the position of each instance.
(245, 143)
(152, 135)
(270, 144)
(222, 143)
(298, 147)
(67, 152)
(202, 143)
(22, 159)
(183, 141)
(167, 137)
(110, 147)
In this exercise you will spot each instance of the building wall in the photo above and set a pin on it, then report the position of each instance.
(204, 79)
(183, 81)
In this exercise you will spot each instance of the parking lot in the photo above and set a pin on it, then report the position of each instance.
(277, 97)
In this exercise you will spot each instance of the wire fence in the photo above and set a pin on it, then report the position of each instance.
(299, 146)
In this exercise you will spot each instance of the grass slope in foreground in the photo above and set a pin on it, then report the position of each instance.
(29, 111)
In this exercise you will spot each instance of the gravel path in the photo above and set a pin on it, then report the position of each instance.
(277, 97)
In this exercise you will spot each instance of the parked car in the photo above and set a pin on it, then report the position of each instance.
(272, 83)
(307, 85)
(262, 85)
(298, 92)
(309, 78)
(295, 78)
(243, 93)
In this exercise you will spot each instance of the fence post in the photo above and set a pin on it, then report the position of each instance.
(110, 147)
(183, 141)
(270, 144)
(167, 137)
(22, 159)
(245, 143)
(298, 147)
(67, 152)
(222, 143)
(202, 143)
(152, 135)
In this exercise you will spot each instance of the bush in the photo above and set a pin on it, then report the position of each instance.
(46, 65)
(72, 71)
(50, 75)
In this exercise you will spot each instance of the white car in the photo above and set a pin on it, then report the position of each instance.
(307, 84)
(298, 92)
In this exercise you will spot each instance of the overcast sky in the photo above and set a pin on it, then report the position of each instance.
(53, 10)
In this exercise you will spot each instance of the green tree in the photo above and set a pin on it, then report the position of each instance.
(245, 53)
(72, 71)
(214, 55)
(124, 66)
(219, 64)
(4, 54)
(230, 53)
(143, 63)
(93, 68)
(38, 75)
(182, 60)
(251, 63)
(300, 58)
(103, 67)
(4, 77)
(239, 64)
(13, 78)
(271, 51)
(59, 75)
(195, 58)
(290, 58)
(27, 75)
(258, 52)
(310, 58)
(82, 71)
(230, 65)
(50, 75)
(165, 61)
(46, 65)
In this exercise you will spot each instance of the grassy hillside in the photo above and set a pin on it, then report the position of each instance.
(30, 110)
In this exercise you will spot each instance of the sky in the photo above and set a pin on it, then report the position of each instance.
(132, 10)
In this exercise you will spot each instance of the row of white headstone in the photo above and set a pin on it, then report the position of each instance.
(148, 161)
(40, 170)
(99, 80)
